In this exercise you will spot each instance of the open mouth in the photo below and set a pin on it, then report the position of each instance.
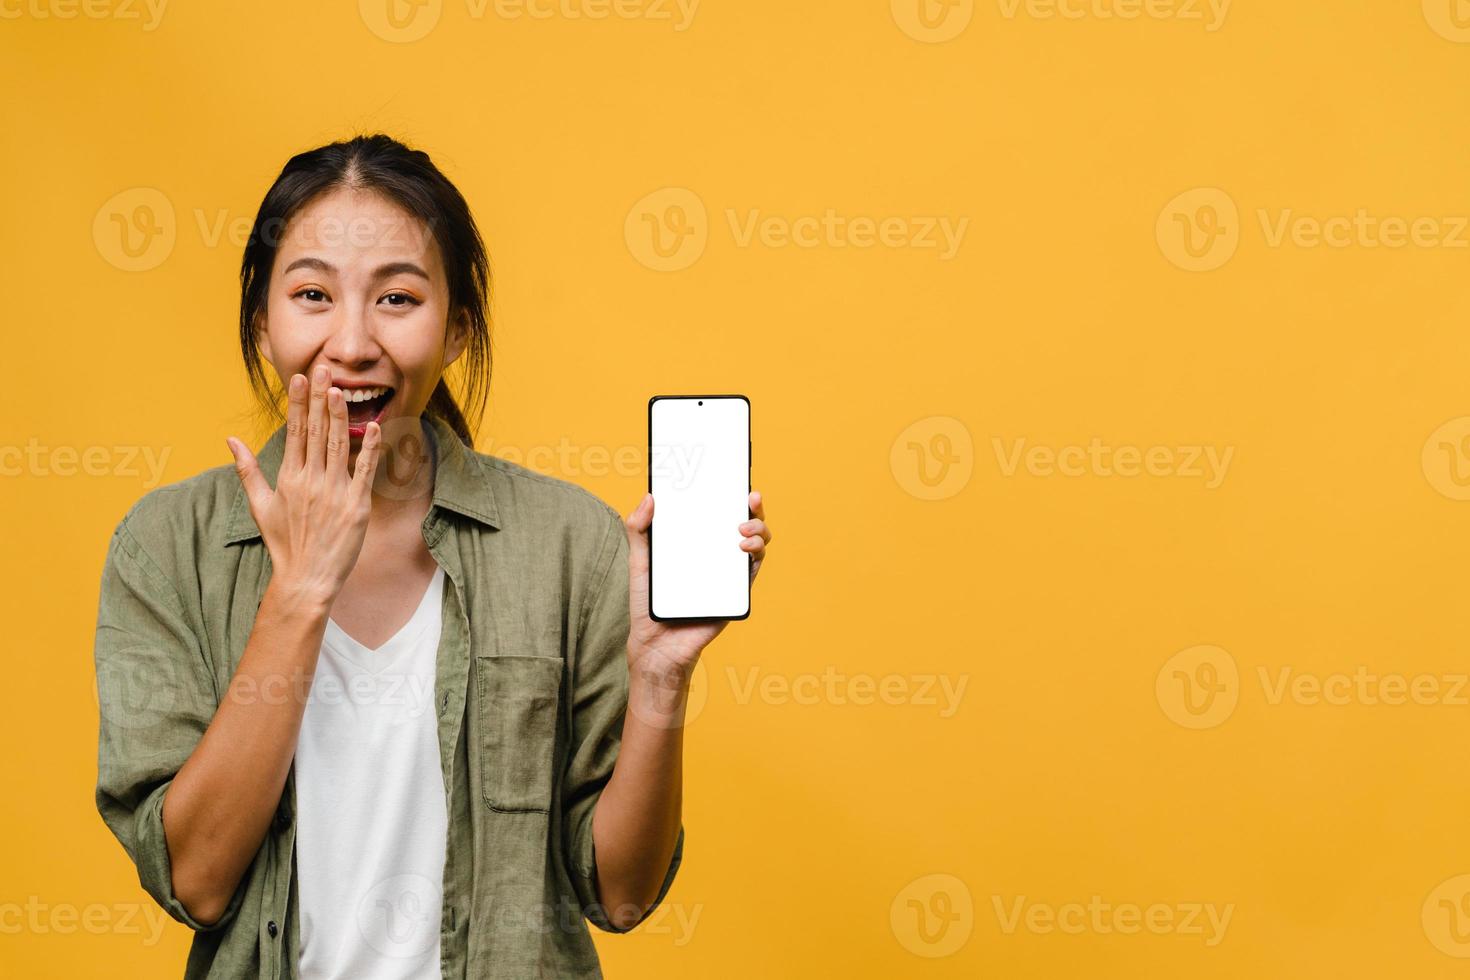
(365, 405)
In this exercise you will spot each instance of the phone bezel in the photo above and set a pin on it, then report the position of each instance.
(648, 457)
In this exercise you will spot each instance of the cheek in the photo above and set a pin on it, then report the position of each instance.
(294, 335)
(416, 344)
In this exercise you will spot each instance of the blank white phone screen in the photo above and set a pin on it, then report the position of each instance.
(699, 474)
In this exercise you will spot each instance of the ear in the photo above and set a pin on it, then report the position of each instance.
(457, 337)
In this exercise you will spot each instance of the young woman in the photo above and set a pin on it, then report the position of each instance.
(374, 704)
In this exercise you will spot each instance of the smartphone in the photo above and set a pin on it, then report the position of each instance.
(699, 451)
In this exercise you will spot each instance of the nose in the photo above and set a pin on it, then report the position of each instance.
(351, 341)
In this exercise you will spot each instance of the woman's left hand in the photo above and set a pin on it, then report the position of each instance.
(661, 648)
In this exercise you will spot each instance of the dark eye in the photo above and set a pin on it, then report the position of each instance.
(312, 295)
(400, 299)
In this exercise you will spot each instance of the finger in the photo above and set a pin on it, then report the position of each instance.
(642, 515)
(295, 422)
(756, 547)
(316, 420)
(757, 504)
(637, 525)
(338, 447)
(367, 461)
(756, 528)
(257, 490)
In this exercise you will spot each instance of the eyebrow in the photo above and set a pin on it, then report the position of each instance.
(381, 272)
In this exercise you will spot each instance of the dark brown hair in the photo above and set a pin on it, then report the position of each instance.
(408, 178)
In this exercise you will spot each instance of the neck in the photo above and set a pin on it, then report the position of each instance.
(405, 474)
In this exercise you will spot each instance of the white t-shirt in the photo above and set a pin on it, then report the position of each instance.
(371, 819)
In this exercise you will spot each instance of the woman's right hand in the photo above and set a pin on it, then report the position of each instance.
(316, 518)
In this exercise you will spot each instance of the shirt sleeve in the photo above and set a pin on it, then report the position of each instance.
(599, 700)
(155, 699)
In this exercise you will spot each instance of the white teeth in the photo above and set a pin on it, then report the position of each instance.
(363, 394)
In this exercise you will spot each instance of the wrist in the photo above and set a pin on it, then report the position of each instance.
(658, 689)
(657, 668)
(298, 601)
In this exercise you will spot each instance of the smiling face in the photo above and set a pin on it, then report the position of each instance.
(358, 285)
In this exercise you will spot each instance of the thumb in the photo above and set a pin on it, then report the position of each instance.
(637, 524)
(257, 490)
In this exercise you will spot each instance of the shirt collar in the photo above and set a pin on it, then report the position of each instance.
(459, 480)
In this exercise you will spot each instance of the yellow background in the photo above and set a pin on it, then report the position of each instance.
(1069, 769)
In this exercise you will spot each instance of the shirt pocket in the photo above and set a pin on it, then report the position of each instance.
(518, 698)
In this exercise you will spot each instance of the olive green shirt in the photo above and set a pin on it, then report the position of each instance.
(530, 690)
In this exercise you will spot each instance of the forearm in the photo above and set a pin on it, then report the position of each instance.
(221, 802)
(636, 823)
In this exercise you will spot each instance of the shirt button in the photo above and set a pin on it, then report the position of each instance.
(283, 820)
(270, 927)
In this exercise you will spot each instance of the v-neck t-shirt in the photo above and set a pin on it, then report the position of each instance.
(372, 816)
